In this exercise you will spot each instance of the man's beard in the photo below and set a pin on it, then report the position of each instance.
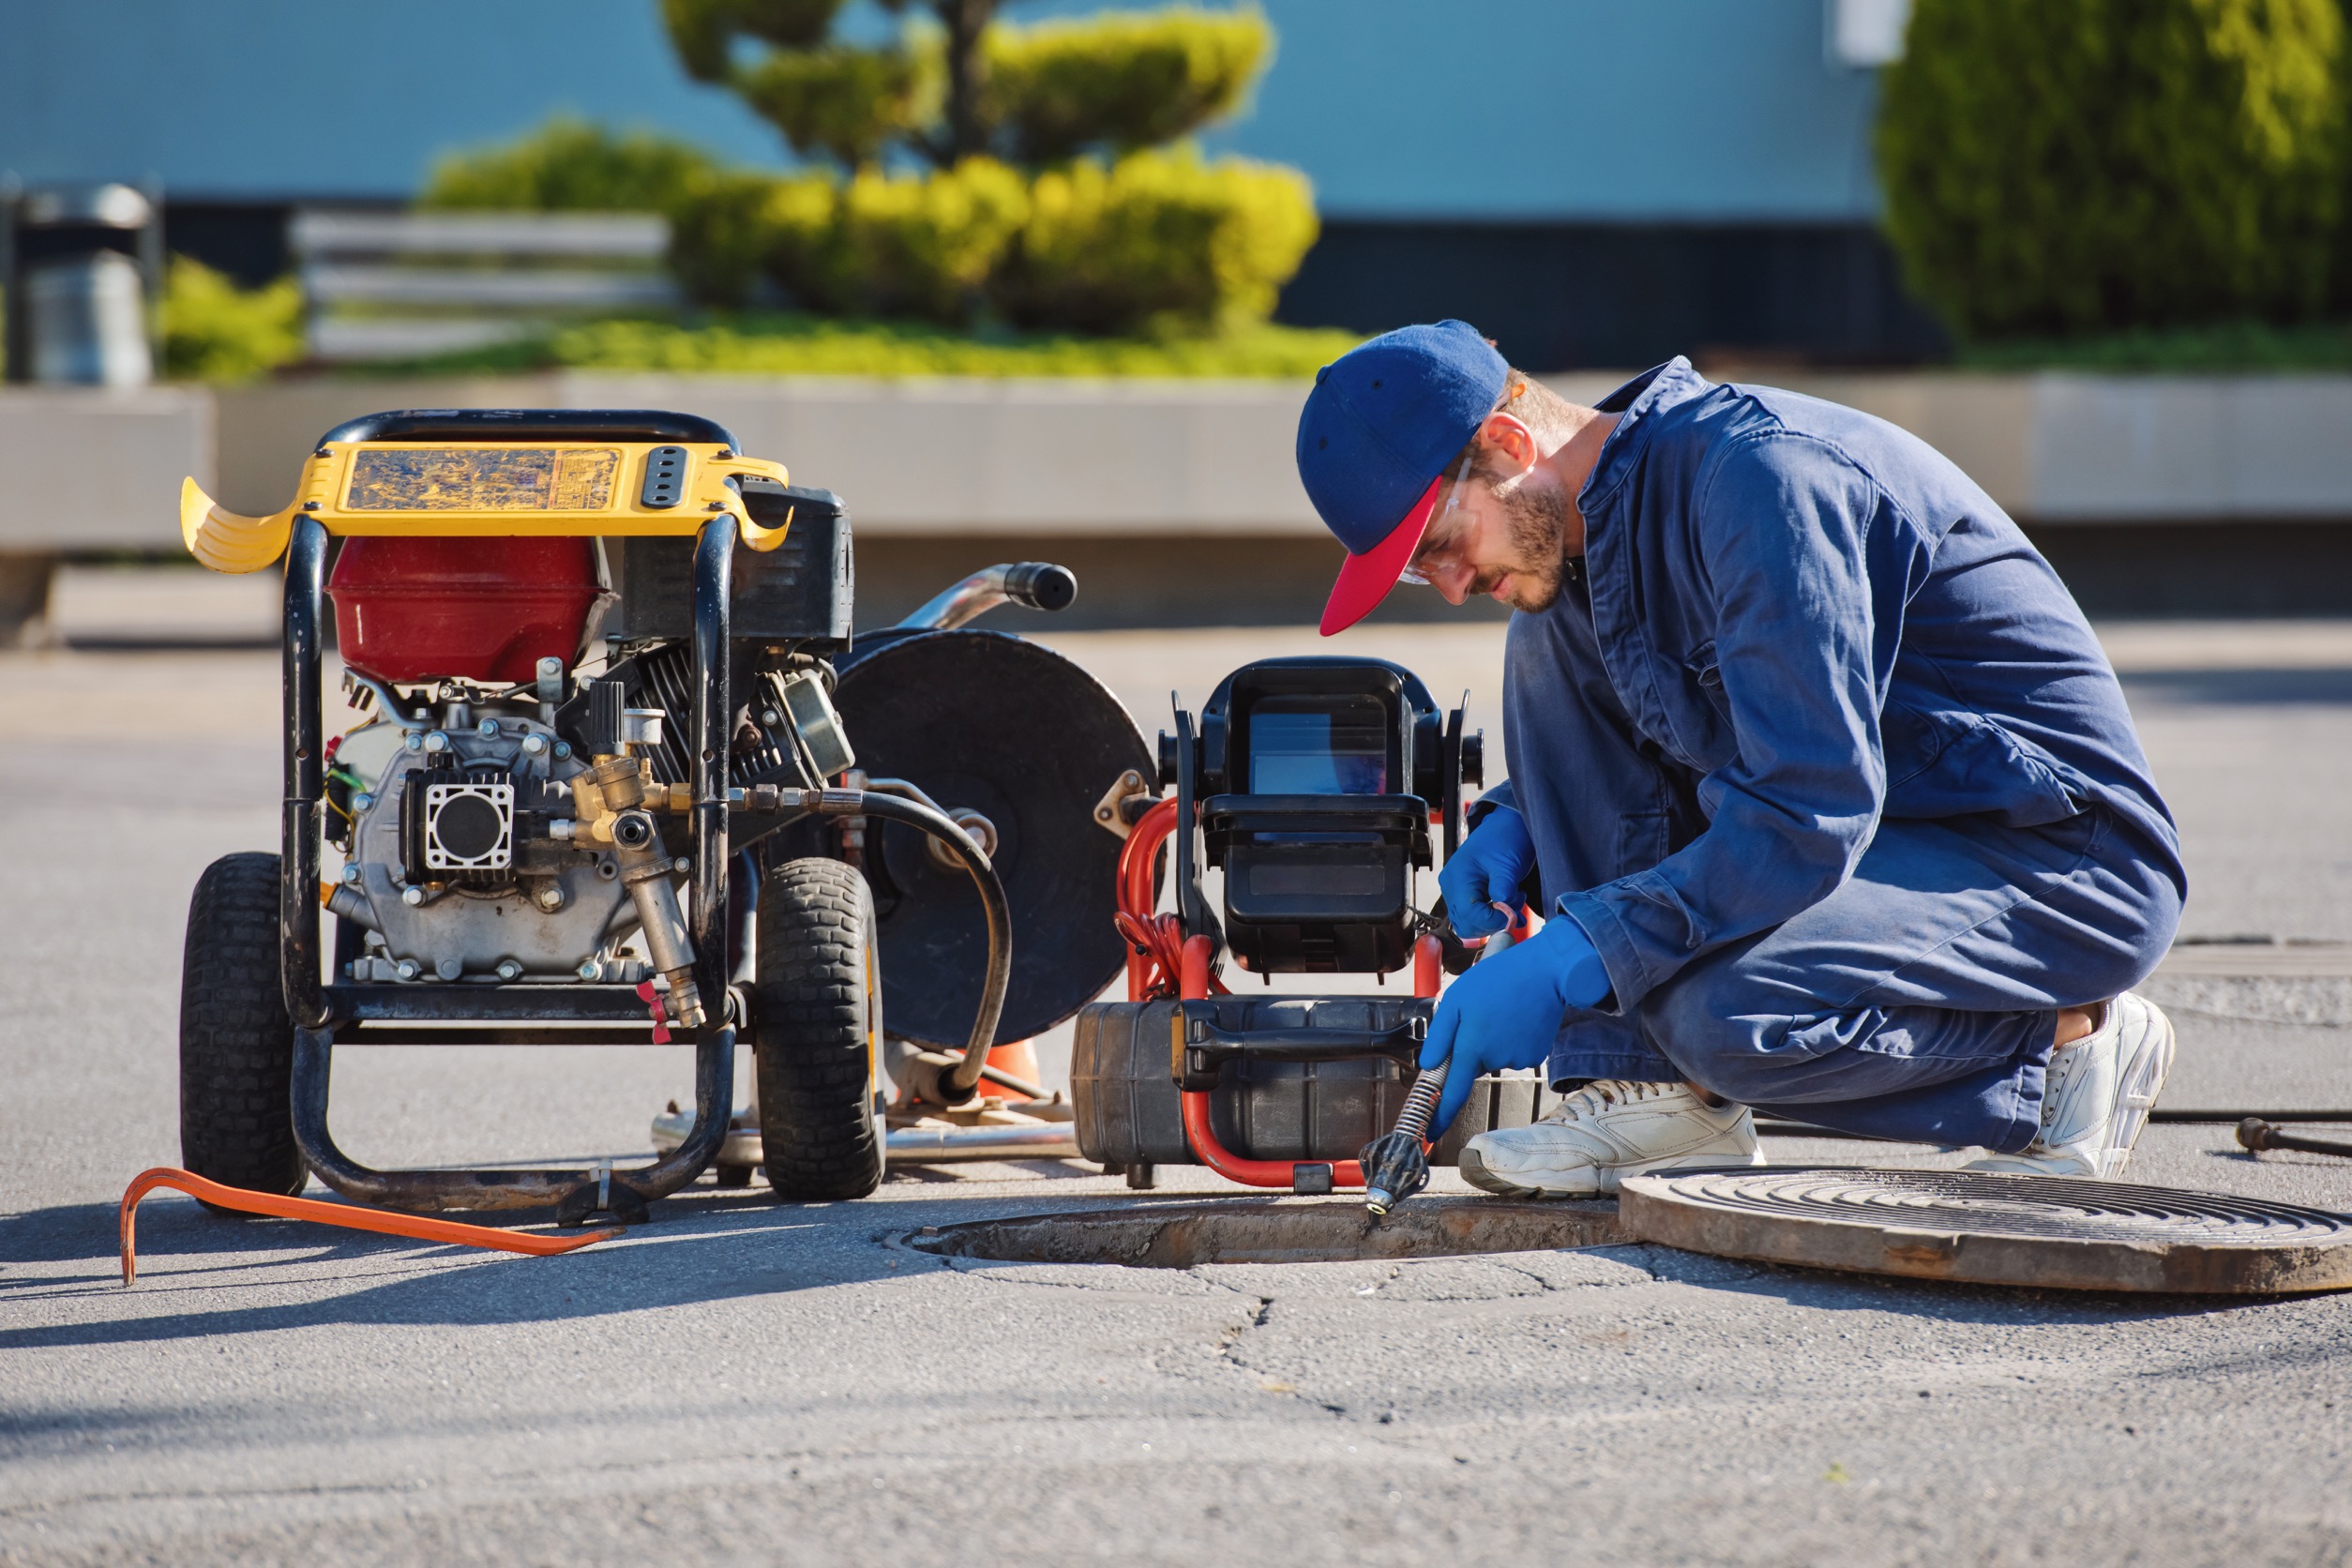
(1536, 520)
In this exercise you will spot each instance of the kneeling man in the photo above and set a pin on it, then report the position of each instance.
(1831, 797)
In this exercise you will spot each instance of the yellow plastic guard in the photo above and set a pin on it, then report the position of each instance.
(493, 489)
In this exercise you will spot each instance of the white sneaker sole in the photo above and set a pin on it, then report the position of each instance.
(2139, 1079)
(1585, 1181)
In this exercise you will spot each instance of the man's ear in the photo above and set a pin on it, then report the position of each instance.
(1512, 441)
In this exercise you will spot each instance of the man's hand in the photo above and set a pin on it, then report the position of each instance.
(1506, 1010)
(1486, 870)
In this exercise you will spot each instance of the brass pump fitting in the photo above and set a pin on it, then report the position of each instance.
(603, 791)
(613, 801)
(645, 870)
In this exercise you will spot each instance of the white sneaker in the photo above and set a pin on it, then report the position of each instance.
(1608, 1130)
(2098, 1094)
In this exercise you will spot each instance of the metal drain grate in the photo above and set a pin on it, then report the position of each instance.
(1989, 1229)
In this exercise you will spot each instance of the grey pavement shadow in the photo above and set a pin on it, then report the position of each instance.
(729, 1241)
(2241, 687)
(1977, 1305)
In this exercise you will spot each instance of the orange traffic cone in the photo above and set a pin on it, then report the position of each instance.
(1016, 1057)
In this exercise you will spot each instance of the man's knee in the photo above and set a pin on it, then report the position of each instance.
(1719, 1025)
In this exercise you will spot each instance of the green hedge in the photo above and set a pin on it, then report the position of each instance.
(732, 231)
(847, 104)
(569, 164)
(214, 331)
(2061, 167)
(1160, 241)
(1120, 81)
(776, 343)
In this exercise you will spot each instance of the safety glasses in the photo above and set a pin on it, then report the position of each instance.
(1438, 539)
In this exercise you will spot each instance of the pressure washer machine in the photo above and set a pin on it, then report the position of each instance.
(1312, 787)
(603, 790)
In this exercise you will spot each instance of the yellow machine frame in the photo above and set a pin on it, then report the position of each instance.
(531, 487)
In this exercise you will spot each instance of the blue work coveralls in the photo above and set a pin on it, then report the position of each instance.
(1822, 756)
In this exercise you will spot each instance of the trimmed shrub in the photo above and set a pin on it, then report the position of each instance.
(1117, 80)
(917, 245)
(2072, 166)
(913, 245)
(569, 164)
(846, 103)
(734, 231)
(214, 331)
(703, 31)
(1159, 242)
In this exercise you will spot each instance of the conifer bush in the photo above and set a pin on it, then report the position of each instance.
(1053, 194)
(570, 165)
(2061, 167)
(1159, 242)
(214, 331)
(1118, 81)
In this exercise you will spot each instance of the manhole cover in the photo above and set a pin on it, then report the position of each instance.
(1180, 1235)
(1988, 1229)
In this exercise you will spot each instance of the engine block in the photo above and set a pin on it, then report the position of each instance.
(453, 861)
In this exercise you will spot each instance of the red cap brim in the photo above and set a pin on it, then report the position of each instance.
(1366, 580)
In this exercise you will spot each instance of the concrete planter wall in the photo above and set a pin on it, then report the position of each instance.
(2058, 448)
(1177, 500)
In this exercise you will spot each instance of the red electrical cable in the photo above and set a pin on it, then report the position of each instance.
(1154, 941)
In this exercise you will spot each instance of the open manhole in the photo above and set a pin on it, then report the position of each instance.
(1276, 1230)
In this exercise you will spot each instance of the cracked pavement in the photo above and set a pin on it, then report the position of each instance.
(745, 1382)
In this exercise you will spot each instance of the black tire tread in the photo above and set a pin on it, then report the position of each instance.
(817, 1130)
(236, 1041)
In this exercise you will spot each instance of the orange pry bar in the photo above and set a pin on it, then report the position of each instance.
(349, 1216)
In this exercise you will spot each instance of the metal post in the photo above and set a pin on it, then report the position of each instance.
(713, 732)
(12, 350)
(151, 266)
(305, 782)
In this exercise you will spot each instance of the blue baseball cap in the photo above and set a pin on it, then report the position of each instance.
(1379, 429)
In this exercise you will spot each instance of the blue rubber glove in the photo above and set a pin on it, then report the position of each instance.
(1506, 1011)
(1488, 868)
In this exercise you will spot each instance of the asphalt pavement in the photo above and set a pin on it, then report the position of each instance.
(746, 1382)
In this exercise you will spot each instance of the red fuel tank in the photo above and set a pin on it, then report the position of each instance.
(478, 609)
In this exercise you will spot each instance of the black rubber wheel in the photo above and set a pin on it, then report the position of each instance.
(817, 1026)
(237, 1042)
(732, 1175)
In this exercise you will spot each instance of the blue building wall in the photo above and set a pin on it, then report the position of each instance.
(1586, 109)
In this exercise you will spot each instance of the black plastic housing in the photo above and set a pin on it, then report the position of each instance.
(1317, 780)
(1271, 1099)
(527, 424)
(799, 594)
